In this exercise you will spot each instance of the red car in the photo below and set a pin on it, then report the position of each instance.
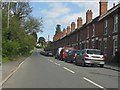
(64, 52)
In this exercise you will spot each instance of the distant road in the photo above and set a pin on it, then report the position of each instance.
(46, 72)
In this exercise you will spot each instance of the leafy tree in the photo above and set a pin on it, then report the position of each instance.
(15, 40)
(58, 28)
(19, 9)
(41, 40)
(32, 25)
(34, 34)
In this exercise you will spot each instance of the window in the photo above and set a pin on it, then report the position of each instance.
(93, 44)
(80, 38)
(116, 23)
(97, 52)
(87, 32)
(80, 47)
(115, 41)
(105, 47)
(87, 44)
(93, 30)
(105, 27)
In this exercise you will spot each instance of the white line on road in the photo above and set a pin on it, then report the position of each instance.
(57, 64)
(1, 83)
(94, 83)
(68, 70)
(51, 61)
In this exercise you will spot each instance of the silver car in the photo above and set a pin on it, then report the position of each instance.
(90, 56)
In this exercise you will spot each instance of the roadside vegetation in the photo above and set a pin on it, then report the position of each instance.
(19, 30)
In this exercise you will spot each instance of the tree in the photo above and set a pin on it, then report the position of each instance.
(58, 28)
(33, 24)
(41, 41)
(15, 40)
(34, 34)
(20, 9)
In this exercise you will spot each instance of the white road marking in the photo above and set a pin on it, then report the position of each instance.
(68, 70)
(51, 61)
(57, 64)
(1, 83)
(94, 83)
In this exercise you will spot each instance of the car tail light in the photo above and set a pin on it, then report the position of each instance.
(103, 56)
(86, 55)
(74, 55)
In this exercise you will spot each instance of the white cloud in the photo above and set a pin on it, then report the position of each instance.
(60, 13)
(55, 10)
(92, 5)
(68, 19)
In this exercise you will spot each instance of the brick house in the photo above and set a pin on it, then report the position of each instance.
(102, 32)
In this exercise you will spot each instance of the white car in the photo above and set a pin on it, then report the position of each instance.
(90, 56)
(57, 56)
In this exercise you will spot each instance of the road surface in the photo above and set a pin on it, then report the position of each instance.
(39, 71)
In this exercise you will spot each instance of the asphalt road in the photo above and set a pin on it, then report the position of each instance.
(39, 71)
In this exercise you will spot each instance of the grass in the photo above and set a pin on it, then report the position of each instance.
(5, 60)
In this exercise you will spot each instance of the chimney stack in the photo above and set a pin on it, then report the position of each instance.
(64, 32)
(79, 22)
(88, 16)
(72, 26)
(103, 6)
(68, 29)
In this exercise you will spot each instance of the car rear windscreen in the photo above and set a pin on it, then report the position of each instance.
(97, 52)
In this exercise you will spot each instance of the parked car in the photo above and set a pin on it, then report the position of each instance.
(57, 56)
(64, 52)
(46, 53)
(90, 56)
(42, 52)
(49, 53)
(72, 55)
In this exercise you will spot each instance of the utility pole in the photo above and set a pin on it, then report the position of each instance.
(48, 38)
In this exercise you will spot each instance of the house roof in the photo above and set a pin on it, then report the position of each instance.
(110, 11)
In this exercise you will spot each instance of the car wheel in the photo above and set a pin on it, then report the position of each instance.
(101, 65)
(66, 60)
(76, 62)
(71, 61)
(92, 65)
(83, 64)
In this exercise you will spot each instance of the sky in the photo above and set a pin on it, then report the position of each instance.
(63, 12)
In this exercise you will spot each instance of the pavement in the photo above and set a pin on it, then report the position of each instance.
(8, 68)
(55, 76)
(113, 66)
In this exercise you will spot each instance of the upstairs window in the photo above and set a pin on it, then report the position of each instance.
(93, 30)
(93, 44)
(105, 47)
(105, 27)
(115, 23)
(87, 32)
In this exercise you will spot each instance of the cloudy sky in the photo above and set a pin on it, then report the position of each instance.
(63, 12)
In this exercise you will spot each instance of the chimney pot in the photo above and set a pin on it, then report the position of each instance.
(79, 22)
(64, 31)
(103, 7)
(68, 29)
(72, 26)
(88, 16)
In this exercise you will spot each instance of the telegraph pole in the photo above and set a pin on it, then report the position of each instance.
(48, 38)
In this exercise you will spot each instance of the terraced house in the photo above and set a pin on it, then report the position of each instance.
(102, 32)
